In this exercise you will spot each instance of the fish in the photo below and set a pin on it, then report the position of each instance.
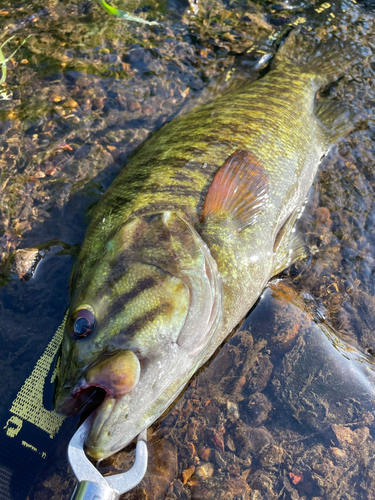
(186, 238)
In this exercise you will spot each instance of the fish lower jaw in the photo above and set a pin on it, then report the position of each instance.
(98, 428)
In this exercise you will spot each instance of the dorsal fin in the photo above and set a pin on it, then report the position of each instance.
(239, 190)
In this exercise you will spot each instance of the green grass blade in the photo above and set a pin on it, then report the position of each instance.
(124, 15)
(3, 60)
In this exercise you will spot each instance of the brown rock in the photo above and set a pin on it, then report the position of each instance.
(322, 214)
(237, 487)
(162, 469)
(187, 473)
(217, 441)
(98, 102)
(133, 105)
(191, 448)
(71, 104)
(148, 110)
(296, 478)
(230, 444)
(205, 453)
(346, 436)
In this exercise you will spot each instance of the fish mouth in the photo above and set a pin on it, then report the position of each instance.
(110, 377)
(84, 397)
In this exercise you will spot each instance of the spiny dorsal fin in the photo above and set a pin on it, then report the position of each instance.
(239, 190)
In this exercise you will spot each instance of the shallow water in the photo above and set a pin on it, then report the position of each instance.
(291, 415)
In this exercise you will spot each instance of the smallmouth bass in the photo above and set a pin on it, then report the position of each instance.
(188, 235)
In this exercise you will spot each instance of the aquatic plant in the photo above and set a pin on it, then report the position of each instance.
(4, 60)
(124, 15)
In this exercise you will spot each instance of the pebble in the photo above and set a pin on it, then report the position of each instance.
(338, 453)
(221, 463)
(98, 102)
(217, 441)
(205, 471)
(133, 105)
(187, 473)
(233, 409)
(205, 454)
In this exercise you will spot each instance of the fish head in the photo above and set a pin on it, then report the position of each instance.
(138, 326)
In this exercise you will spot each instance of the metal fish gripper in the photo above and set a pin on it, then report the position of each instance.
(91, 484)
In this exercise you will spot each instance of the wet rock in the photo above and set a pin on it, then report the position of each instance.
(323, 215)
(346, 436)
(259, 374)
(190, 446)
(98, 103)
(25, 262)
(220, 462)
(233, 410)
(257, 409)
(178, 487)
(133, 105)
(217, 440)
(242, 440)
(296, 477)
(338, 454)
(202, 491)
(187, 473)
(265, 484)
(161, 470)
(315, 375)
(324, 468)
(205, 453)
(237, 487)
(205, 471)
(259, 438)
(272, 456)
(230, 444)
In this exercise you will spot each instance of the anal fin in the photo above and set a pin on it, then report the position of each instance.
(239, 191)
(289, 246)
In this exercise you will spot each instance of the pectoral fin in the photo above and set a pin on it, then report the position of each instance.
(239, 191)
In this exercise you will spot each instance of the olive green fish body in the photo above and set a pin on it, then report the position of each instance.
(273, 118)
(185, 239)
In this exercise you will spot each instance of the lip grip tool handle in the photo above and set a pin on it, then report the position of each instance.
(91, 484)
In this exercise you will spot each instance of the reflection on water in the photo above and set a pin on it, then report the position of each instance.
(286, 408)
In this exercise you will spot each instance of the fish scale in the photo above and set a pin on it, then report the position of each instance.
(185, 239)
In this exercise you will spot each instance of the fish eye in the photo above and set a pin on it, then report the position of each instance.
(82, 322)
